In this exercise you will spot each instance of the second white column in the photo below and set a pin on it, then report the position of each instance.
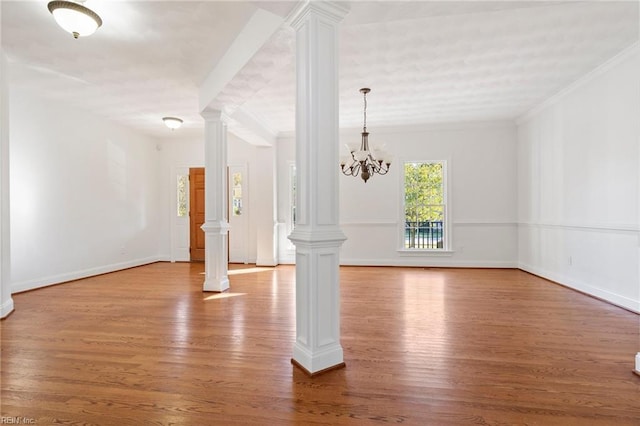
(317, 235)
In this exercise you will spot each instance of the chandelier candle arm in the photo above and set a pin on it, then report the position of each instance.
(364, 162)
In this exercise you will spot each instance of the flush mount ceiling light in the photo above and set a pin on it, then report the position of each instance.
(75, 18)
(172, 122)
(365, 162)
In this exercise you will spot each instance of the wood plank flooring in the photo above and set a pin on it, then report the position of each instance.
(437, 347)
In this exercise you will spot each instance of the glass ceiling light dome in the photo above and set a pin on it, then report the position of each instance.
(172, 122)
(75, 18)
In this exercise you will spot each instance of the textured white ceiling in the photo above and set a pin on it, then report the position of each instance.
(146, 61)
(462, 66)
(424, 61)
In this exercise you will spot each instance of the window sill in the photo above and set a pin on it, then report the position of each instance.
(424, 252)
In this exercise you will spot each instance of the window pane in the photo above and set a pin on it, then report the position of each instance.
(182, 195)
(424, 205)
(236, 194)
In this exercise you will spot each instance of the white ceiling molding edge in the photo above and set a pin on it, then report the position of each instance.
(596, 72)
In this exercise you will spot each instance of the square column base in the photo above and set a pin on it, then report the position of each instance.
(319, 362)
(317, 373)
(215, 256)
(215, 285)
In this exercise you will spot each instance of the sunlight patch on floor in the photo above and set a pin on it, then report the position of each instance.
(223, 295)
(247, 270)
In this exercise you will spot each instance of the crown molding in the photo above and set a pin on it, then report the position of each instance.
(585, 79)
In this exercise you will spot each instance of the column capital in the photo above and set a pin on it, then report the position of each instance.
(214, 115)
(331, 10)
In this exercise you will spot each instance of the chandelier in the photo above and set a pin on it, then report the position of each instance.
(363, 161)
(74, 17)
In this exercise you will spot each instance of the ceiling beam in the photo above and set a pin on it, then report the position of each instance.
(250, 128)
(260, 27)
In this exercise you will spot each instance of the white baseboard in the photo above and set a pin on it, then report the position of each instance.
(426, 263)
(267, 262)
(6, 308)
(76, 275)
(613, 298)
(287, 259)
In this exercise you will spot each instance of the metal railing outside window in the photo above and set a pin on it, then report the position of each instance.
(424, 235)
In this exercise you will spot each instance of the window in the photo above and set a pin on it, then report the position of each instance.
(236, 194)
(183, 181)
(425, 208)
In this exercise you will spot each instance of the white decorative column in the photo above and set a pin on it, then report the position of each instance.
(6, 301)
(216, 226)
(317, 235)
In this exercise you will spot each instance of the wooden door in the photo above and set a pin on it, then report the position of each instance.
(196, 213)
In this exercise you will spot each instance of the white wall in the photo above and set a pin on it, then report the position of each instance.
(579, 184)
(241, 153)
(84, 194)
(6, 301)
(481, 159)
(264, 200)
(285, 157)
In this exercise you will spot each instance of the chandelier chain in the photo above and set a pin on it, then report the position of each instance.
(364, 127)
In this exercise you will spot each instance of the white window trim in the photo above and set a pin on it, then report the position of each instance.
(424, 252)
(290, 167)
(177, 254)
(447, 243)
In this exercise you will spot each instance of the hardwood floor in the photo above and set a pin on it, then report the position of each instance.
(422, 347)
